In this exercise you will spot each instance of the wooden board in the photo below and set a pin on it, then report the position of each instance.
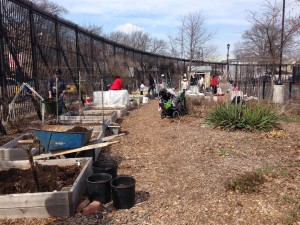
(62, 152)
(108, 138)
(11, 151)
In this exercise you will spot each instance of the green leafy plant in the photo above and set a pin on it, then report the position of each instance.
(240, 117)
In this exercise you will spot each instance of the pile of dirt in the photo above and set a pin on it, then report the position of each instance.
(50, 178)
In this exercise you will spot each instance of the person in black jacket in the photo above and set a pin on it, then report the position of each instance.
(56, 89)
(151, 86)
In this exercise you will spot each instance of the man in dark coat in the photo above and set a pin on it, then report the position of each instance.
(56, 89)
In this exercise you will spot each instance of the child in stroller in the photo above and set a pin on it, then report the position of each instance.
(171, 105)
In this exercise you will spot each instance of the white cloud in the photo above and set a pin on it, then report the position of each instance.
(128, 28)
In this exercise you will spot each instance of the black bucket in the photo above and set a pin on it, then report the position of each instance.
(106, 166)
(98, 187)
(50, 105)
(123, 192)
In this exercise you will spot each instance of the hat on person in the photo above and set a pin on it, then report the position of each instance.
(162, 75)
(57, 71)
(184, 75)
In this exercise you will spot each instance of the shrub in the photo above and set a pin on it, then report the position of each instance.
(240, 117)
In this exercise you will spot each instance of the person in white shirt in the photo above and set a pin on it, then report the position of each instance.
(163, 84)
(142, 86)
(200, 83)
(184, 83)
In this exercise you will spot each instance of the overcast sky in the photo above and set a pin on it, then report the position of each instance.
(159, 18)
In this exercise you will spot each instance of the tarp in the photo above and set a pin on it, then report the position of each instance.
(111, 98)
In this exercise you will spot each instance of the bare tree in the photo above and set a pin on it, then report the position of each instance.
(158, 46)
(139, 40)
(50, 7)
(192, 38)
(93, 29)
(262, 42)
(118, 36)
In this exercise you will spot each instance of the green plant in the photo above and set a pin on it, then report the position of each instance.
(248, 182)
(287, 197)
(290, 119)
(280, 169)
(239, 117)
(293, 216)
(225, 152)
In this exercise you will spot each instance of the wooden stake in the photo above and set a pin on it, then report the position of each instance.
(27, 146)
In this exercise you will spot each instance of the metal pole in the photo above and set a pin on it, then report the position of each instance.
(102, 100)
(281, 42)
(228, 46)
(56, 98)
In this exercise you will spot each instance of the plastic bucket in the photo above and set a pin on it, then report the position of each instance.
(88, 100)
(50, 105)
(123, 192)
(98, 187)
(145, 99)
(106, 166)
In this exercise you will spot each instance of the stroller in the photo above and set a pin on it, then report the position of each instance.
(171, 105)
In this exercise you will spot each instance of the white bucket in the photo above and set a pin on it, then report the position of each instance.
(278, 94)
(145, 99)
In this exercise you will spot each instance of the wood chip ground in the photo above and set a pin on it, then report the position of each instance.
(181, 167)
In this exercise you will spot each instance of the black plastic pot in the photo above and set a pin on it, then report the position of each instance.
(106, 166)
(98, 187)
(123, 192)
(50, 105)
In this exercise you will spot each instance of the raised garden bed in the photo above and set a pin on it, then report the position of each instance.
(88, 116)
(121, 111)
(11, 151)
(57, 203)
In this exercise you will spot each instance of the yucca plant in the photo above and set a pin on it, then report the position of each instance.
(260, 118)
(240, 117)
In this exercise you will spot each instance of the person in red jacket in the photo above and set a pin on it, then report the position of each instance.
(214, 84)
(117, 84)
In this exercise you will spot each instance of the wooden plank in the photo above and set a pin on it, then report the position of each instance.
(79, 187)
(24, 164)
(62, 152)
(108, 138)
(27, 200)
(36, 212)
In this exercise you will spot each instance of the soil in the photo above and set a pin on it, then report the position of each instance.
(16, 181)
(78, 129)
(185, 172)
